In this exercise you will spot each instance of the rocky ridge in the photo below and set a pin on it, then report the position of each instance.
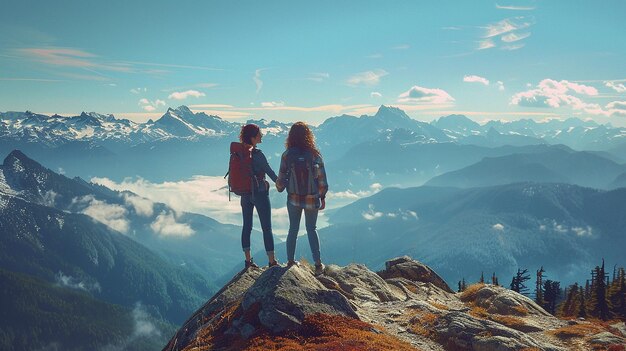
(407, 306)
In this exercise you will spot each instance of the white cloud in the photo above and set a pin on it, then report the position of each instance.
(513, 47)
(617, 108)
(166, 225)
(371, 214)
(182, 95)
(319, 77)
(273, 104)
(75, 283)
(417, 94)
(513, 37)
(506, 26)
(553, 94)
(138, 90)
(486, 44)
(114, 216)
(498, 227)
(142, 206)
(583, 231)
(500, 85)
(476, 79)
(376, 94)
(257, 80)
(401, 47)
(368, 78)
(150, 106)
(619, 87)
(143, 327)
(516, 8)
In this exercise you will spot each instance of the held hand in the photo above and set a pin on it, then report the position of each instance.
(323, 206)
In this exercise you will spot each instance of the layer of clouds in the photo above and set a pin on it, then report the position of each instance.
(368, 78)
(182, 95)
(114, 216)
(371, 214)
(166, 224)
(550, 93)
(417, 94)
(273, 104)
(143, 207)
(476, 79)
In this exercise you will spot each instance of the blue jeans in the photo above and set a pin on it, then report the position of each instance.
(310, 220)
(263, 209)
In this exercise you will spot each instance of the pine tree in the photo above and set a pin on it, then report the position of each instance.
(539, 287)
(617, 293)
(494, 279)
(552, 292)
(517, 283)
(598, 304)
(482, 278)
(569, 307)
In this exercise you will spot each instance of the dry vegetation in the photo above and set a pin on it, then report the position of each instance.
(523, 311)
(511, 322)
(469, 294)
(424, 325)
(319, 332)
(576, 331)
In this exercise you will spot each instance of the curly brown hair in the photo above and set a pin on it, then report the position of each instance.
(248, 132)
(300, 136)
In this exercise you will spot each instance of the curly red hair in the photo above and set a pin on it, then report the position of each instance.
(300, 136)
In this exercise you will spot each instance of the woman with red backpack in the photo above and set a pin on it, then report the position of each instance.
(302, 173)
(255, 193)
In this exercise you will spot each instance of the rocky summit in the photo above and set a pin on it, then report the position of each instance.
(407, 306)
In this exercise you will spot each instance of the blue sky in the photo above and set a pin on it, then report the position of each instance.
(289, 60)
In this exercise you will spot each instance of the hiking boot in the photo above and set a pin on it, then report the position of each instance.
(251, 264)
(293, 263)
(319, 268)
(272, 264)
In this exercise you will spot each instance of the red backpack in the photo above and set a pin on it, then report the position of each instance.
(239, 173)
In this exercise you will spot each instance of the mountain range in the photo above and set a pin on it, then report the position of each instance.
(181, 143)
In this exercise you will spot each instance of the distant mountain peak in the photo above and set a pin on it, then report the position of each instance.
(390, 111)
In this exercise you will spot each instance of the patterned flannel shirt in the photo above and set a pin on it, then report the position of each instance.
(307, 202)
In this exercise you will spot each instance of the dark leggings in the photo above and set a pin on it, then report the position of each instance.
(262, 204)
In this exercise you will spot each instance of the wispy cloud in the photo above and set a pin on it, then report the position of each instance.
(515, 8)
(376, 94)
(273, 104)
(257, 79)
(138, 90)
(500, 85)
(513, 37)
(319, 76)
(417, 94)
(476, 79)
(30, 80)
(367, 78)
(486, 44)
(401, 47)
(506, 26)
(619, 87)
(182, 95)
(70, 57)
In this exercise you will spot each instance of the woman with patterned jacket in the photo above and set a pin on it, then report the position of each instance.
(302, 173)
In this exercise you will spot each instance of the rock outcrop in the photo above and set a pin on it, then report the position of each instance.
(405, 307)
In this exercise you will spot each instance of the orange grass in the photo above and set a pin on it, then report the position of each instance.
(523, 311)
(424, 325)
(438, 305)
(469, 294)
(508, 321)
(576, 331)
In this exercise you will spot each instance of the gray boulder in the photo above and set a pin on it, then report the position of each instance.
(496, 299)
(606, 338)
(364, 284)
(406, 267)
(281, 297)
